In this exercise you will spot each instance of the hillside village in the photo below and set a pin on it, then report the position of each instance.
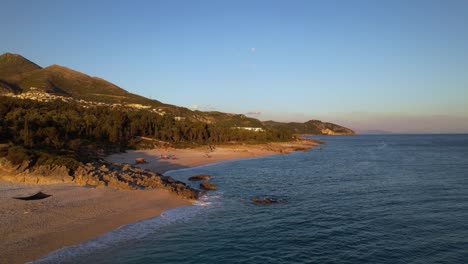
(23, 79)
(37, 94)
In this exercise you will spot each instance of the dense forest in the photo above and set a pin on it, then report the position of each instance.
(68, 126)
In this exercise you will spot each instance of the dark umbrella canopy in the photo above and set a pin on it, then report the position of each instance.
(37, 196)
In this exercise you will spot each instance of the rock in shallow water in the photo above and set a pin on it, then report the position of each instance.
(207, 186)
(265, 200)
(199, 177)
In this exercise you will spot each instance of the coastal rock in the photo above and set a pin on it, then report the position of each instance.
(23, 166)
(207, 186)
(7, 166)
(38, 174)
(265, 200)
(199, 177)
(121, 176)
(125, 176)
(49, 174)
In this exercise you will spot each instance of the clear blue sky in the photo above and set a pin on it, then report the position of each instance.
(392, 65)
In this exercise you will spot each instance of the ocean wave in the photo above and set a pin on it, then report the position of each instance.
(133, 231)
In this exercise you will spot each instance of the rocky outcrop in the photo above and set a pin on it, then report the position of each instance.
(327, 131)
(26, 173)
(121, 176)
(265, 200)
(311, 127)
(207, 186)
(199, 177)
(125, 176)
(270, 199)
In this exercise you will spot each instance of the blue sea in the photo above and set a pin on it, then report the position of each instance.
(356, 199)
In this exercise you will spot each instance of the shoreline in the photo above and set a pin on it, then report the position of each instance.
(75, 214)
(162, 160)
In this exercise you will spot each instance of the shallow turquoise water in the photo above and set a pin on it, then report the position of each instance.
(360, 199)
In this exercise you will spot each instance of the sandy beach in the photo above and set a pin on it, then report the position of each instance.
(166, 159)
(73, 214)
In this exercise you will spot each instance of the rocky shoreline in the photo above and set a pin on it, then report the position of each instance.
(97, 173)
(116, 171)
(137, 193)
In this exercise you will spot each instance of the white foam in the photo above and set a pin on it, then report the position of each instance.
(137, 230)
(203, 203)
(132, 231)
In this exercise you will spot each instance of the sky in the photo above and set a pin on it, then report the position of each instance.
(398, 66)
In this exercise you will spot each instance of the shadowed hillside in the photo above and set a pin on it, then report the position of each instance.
(12, 66)
(12, 69)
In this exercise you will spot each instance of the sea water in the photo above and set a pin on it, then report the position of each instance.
(356, 199)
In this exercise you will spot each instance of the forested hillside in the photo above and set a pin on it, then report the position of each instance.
(55, 115)
(58, 125)
(313, 127)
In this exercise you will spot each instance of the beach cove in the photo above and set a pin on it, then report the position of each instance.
(74, 214)
(364, 199)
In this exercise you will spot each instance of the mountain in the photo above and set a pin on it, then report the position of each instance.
(314, 127)
(19, 75)
(12, 66)
(12, 69)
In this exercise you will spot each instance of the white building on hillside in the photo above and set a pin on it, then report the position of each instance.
(255, 129)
